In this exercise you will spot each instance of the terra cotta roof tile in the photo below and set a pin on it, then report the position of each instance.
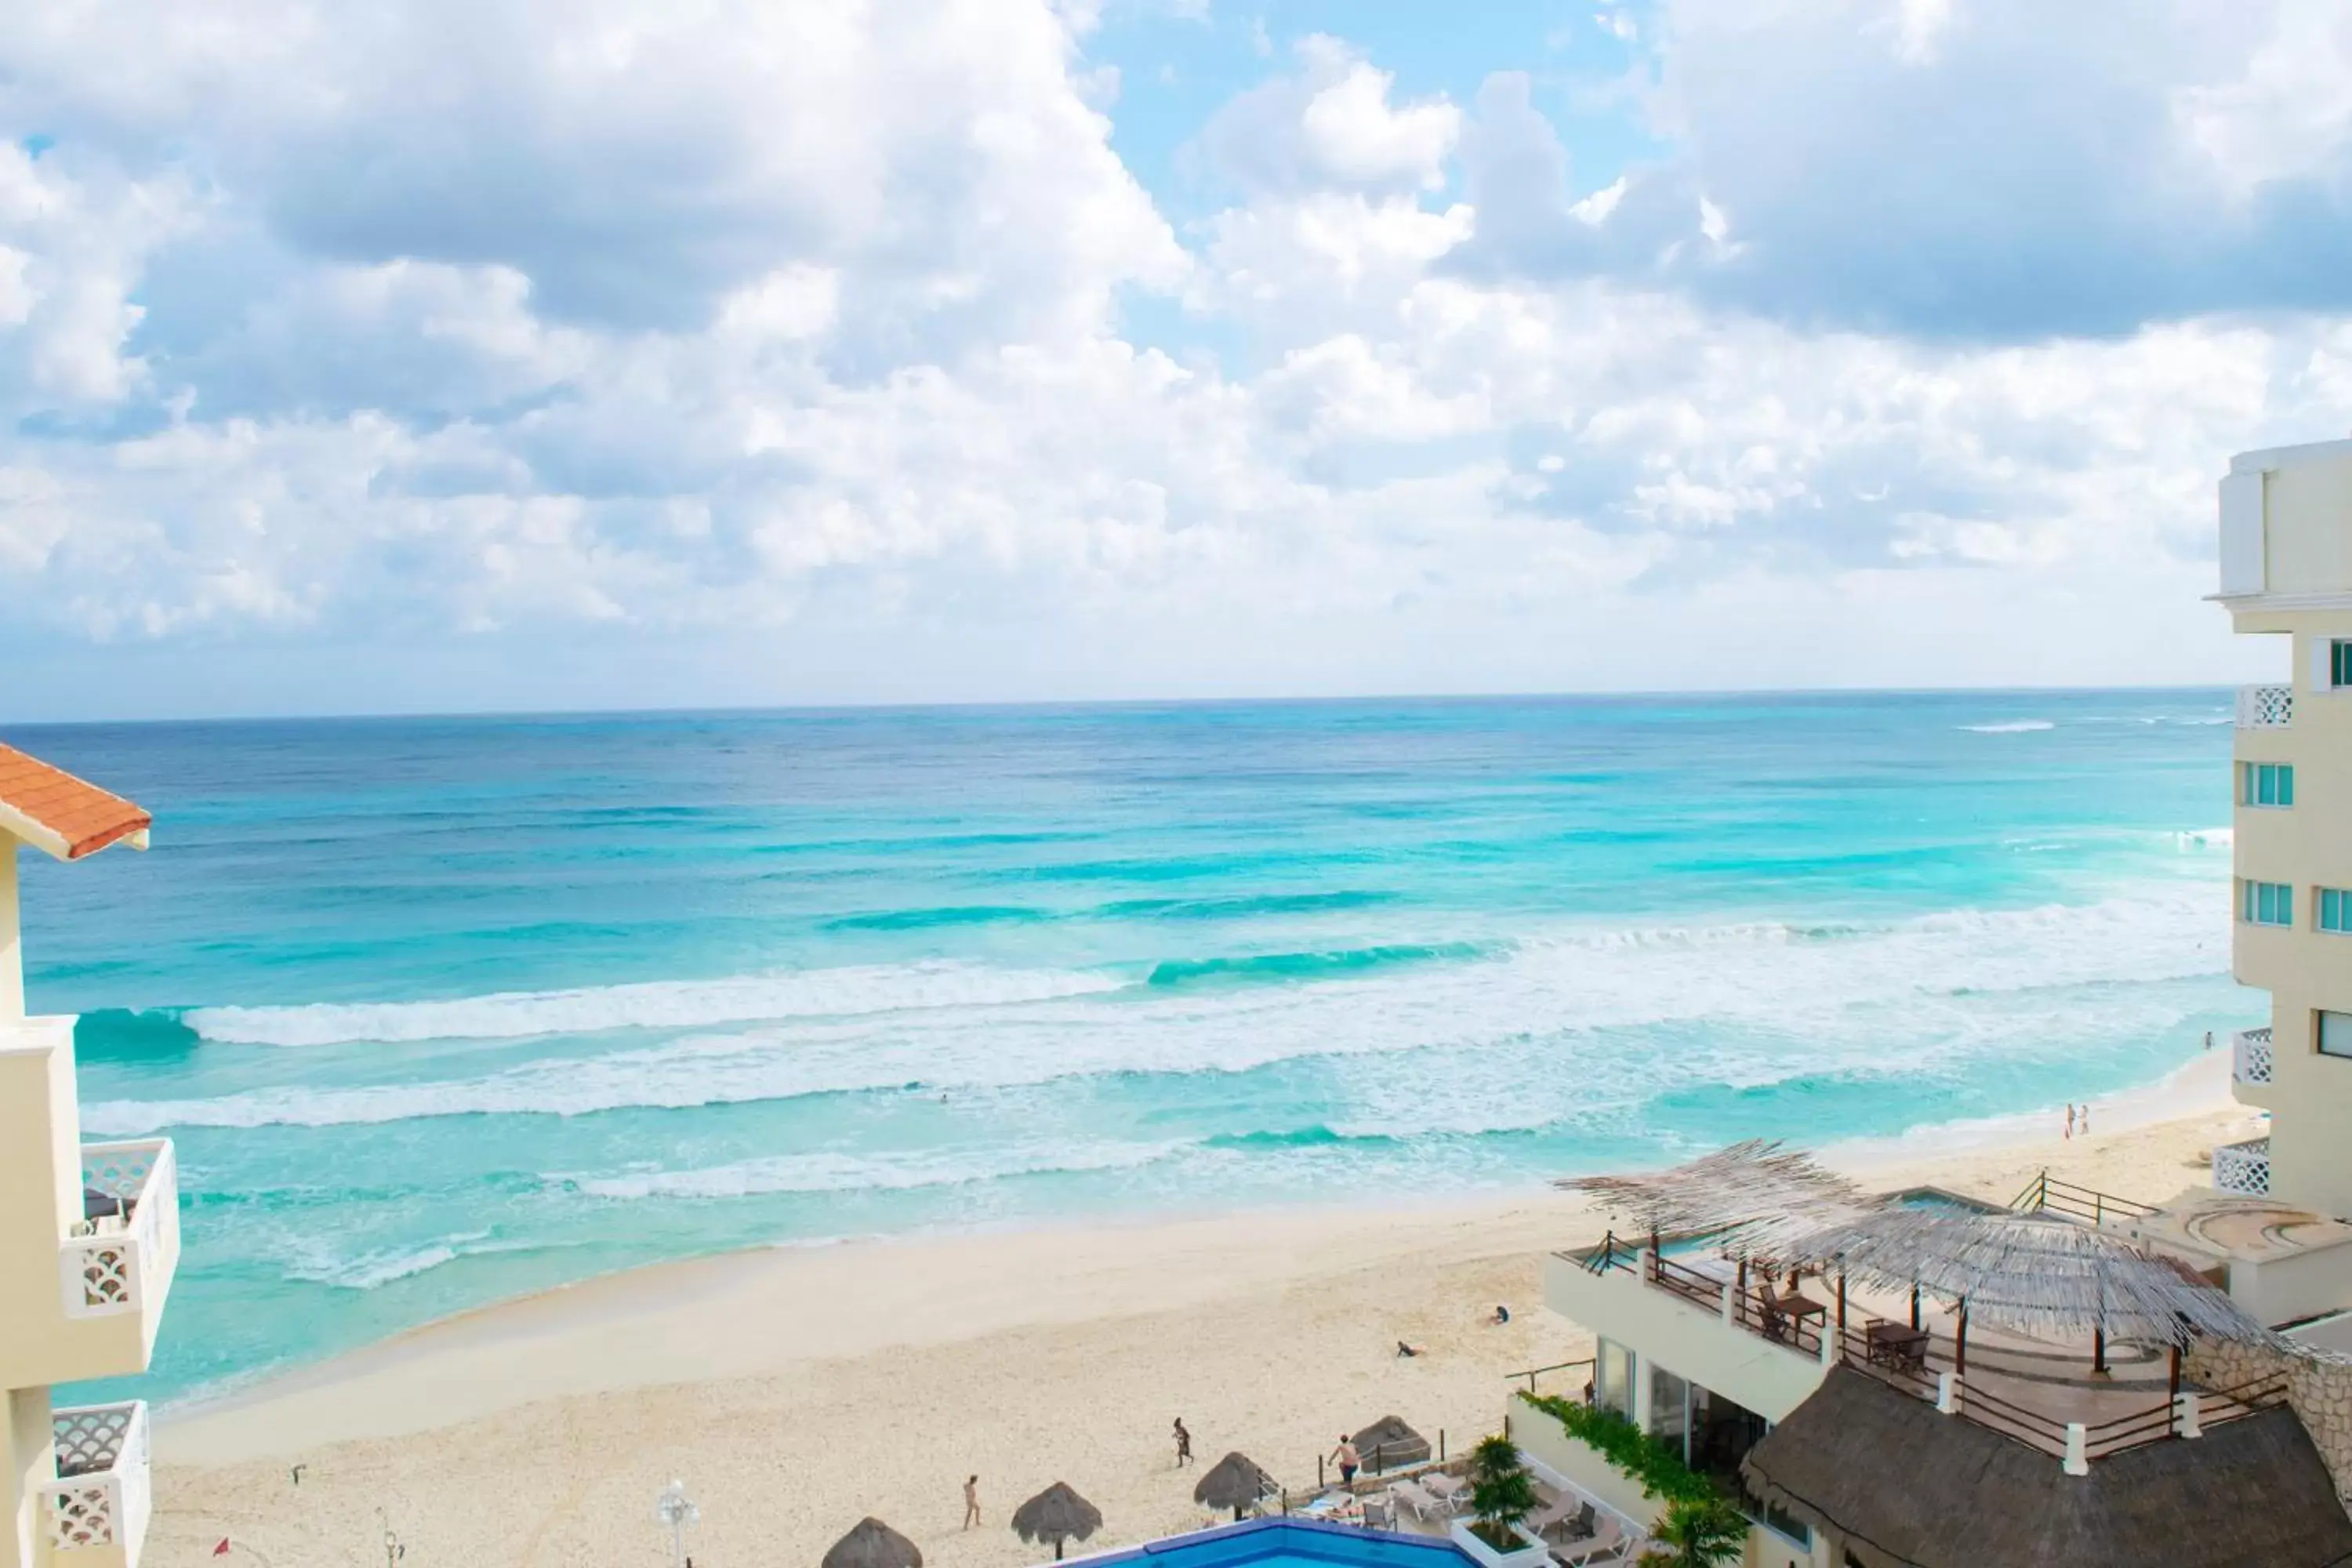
(65, 816)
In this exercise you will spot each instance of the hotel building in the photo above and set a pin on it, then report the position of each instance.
(90, 1233)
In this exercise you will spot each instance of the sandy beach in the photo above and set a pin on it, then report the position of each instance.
(795, 1390)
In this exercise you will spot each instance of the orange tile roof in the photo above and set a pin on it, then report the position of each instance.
(52, 809)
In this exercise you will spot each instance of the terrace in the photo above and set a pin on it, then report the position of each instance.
(1761, 1272)
(96, 1511)
(122, 1252)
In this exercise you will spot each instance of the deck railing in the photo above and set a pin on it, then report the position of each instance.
(2250, 1052)
(99, 1500)
(2047, 1194)
(2244, 1168)
(123, 1258)
(2265, 706)
(2159, 1417)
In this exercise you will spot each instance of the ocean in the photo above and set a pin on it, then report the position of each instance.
(442, 1011)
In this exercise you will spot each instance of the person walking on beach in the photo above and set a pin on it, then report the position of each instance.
(2082, 1124)
(1183, 1444)
(2070, 1121)
(971, 1501)
(1350, 1460)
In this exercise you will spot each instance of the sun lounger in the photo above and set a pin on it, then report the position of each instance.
(1409, 1494)
(1451, 1491)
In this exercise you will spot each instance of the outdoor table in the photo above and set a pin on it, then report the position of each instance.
(1896, 1345)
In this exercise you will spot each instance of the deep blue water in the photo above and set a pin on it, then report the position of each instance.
(441, 1011)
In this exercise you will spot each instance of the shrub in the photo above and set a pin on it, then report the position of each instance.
(1697, 1535)
(1661, 1470)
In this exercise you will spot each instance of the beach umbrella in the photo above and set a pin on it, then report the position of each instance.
(1387, 1443)
(1235, 1482)
(1057, 1514)
(873, 1544)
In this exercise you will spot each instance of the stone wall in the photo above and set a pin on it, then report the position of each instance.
(2319, 1386)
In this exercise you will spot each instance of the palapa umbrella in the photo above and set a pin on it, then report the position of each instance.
(873, 1544)
(1387, 1443)
(1057, 1514)
(1235, 1482)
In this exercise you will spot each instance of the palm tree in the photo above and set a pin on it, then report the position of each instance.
(1502, 1493)
(1697, 1535)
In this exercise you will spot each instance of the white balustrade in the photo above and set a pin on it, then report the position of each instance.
(100, 1499)
(2265, 706)
(124, 1262)
(2250, 1051)
(2244, 1168)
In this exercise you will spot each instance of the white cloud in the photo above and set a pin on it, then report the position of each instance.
(779, 334)
(1332, 126)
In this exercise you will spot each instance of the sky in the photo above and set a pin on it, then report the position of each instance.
(503, 354)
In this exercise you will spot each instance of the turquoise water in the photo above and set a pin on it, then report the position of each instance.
(442, 1011)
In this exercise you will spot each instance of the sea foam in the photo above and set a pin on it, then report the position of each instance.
(662, 1004)
(1810, 983)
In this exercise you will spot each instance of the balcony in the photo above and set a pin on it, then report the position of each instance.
(123, 1250)
(2244, 1168)
(2250, 1053)
(2265, 706)
(96, 1511)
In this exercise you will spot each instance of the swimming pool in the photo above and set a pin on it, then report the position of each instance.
(1276, 1542)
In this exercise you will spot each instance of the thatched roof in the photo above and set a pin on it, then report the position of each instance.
(1057, 1514)
(1895, 1484)
(2035, 1274)
(1753, 1195)
(873, 1544)
(1392, 1443)
(1233, 1481)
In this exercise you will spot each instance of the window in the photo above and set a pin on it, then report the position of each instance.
(2335, 1033)
(1669, 1409)
(1613, 1378)
(2334, 910)
(2265, 783)
(2266, 903)
(2339, 665)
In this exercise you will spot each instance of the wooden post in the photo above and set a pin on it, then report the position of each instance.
(2172, 1388)
(1915, 1306)
(1960, 1342)
(2099, 1348)
(1840, 1303)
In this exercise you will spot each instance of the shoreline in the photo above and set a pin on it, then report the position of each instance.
(797, 1389)
(652, 1296)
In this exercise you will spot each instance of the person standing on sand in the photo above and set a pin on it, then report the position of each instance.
(2085, 1123)
(1183, 1444)
(971, 1501)
(1350, 1460)
(2070, 1121)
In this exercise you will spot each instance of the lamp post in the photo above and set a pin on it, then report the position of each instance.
(677, 1511)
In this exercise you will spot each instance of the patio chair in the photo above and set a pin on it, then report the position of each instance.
(1379, 1512)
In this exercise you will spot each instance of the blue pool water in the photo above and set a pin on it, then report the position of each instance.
(1286, 1542)
(441, 1011)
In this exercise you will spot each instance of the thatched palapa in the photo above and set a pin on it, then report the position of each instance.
(1387, 1443)
(1234, 1482)
(873, 1544)
(1057, 1514)
(1892, 1484)
(2034, 1274)
(1752, 1197)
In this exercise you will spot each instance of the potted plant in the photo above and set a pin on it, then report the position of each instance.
(1502, 1495)
(1697, 1533)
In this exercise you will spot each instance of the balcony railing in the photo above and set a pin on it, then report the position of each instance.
(99, 1500)
(2250, 1051)
(2265, 706)
(2244, 1168)
(128, 1243)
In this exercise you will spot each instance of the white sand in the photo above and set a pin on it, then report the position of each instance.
(795, 1390)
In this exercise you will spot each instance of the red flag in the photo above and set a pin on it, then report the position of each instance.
(222, 1549)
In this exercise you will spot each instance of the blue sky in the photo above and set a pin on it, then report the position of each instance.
(510, 353)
